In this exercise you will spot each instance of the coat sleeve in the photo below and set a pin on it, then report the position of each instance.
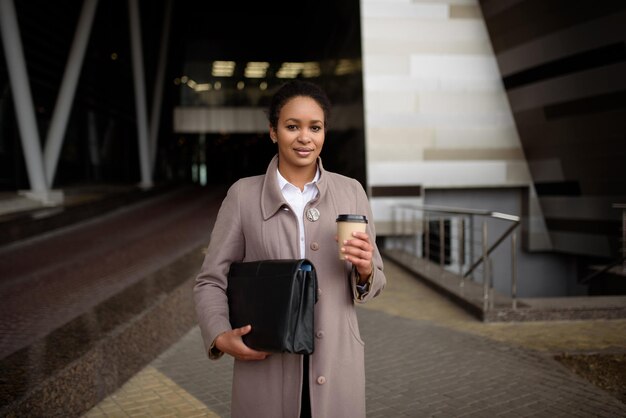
(226, 246)
(377, 280)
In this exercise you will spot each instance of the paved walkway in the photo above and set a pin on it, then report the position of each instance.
(55, 277)
(424, 357)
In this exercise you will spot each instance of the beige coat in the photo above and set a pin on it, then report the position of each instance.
(255, 223)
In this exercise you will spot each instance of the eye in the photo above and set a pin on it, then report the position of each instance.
(291, 127)
(316, 128)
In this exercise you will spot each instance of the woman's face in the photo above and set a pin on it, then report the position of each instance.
(299, 133)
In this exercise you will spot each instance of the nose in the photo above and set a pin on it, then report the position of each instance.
(304, 137)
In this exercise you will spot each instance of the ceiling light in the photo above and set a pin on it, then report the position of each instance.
(223, 68)
(203, 87)
(347, 66)
(311, 69)
(256, 69)
(289, 69)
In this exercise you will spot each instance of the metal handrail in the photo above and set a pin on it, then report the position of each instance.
(603, 270)
(461, 211)
(463, 216)
(622, 257)
(490, 249)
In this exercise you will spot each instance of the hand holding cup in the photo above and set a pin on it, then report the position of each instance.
(354, 244)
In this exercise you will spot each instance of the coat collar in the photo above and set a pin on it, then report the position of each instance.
(272, 198)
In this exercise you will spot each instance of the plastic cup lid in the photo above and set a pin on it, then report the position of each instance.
(352, 218)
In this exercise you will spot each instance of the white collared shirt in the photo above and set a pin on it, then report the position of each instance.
(298, 200)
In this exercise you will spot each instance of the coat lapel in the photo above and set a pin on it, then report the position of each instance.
(272, 198)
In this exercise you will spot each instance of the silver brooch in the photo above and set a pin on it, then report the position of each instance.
(312, 214)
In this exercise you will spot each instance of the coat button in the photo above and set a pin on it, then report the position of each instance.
(321, 380)
(319, 334)
(315, 246)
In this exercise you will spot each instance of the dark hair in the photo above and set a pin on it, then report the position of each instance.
(293, 89)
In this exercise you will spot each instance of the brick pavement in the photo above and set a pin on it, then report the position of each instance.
(148, 394)
(425, 357)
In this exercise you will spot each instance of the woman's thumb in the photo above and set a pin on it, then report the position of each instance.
(244, 330)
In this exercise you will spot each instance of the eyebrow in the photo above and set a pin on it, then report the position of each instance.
(298, 120)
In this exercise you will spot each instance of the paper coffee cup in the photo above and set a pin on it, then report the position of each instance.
(346, 225)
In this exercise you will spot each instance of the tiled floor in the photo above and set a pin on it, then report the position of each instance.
(150, 394)
(424, 357)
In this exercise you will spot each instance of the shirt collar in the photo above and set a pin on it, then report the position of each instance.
(271, 196)
(282, 182)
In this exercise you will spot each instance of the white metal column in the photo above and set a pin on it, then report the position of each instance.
(24, 109)
(63, 105)
(155, 116)
(140, 93)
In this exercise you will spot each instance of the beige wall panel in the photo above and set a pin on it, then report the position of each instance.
(414, 84)
(517, 171)
(423, 30)
(463, 102)
(382, 9)
(438, 173)
(467, 68)
(388, 144)
(392, 3)
(440, 121)
(466, 2)
(438, 46)
(465, 11)
(483, 137)
(453, 98)
(424, 136)
(391, 102)
(387, 64)
(381, 151)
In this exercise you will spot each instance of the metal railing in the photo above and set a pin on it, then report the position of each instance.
(621, 258)
(458, 240)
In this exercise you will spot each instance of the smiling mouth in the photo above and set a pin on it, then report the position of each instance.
(303, 151)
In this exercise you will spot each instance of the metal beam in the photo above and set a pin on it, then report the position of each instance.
(155, 116)
(140, 93)
(22, 97)
(63, 105)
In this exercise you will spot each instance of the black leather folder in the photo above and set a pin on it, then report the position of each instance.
(276, 297)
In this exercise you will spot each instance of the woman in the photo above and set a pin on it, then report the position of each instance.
(290, 213)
